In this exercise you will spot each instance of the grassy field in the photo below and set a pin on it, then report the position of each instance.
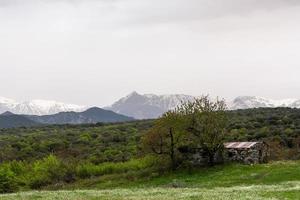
(289, 190)
(278, 180)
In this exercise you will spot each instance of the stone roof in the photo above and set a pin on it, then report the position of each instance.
(240, 145)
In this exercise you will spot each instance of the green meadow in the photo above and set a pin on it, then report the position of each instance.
(277, 180)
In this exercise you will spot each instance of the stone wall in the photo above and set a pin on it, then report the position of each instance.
(198, 157)
(254, 155)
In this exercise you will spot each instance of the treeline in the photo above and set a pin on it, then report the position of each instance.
(262, 123)
(96, 143)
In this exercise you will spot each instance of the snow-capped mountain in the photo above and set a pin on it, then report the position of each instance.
(152, 106)
(147, 106)
(138, 106)
(37, 107)
(245, 102)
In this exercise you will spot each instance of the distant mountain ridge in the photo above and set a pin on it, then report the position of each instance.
(138, 106)
(147, 106)
(37, 107)
(90, 116)
(152, 106)
(10, 120)
(245, 102)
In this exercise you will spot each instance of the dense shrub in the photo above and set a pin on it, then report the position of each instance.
(87, 170)
(8, 181)
(46, 171)
(51, 170)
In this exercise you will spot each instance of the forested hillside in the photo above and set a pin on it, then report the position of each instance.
(280, 127)
(96, 143)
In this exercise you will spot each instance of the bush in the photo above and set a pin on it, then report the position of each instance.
(47, 171)
(70, 171)
(17, 175)
(87, 170)
(8, 181)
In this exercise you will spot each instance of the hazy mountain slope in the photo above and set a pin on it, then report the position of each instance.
(245, 102)
(152, 106)
(10, 120)
(37, 107)
(147, 106)
(139, 106)
(92, 115)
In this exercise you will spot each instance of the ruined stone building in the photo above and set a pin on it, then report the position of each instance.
(246, 152)
(242, 152)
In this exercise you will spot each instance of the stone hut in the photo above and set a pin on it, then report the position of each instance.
(198, 157)
(246, 152)
(243, 152)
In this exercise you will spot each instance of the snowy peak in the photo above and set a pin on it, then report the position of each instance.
(133, 97)
(37, 107)
(147, 106)
(168, 102)
(43, 107)
(138, 106)
(245, 102)
(152, 106)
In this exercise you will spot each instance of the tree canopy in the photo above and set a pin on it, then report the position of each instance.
(200, 123)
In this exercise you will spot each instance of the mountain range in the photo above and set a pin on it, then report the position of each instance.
(10, 120)
(147, 106)
(90, 116)
(37, 107)
(134, 105)
(246, 102)
(152, 106)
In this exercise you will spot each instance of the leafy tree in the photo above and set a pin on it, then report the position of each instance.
(166, 136)
(206, 120)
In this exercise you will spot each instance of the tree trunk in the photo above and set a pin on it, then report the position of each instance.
(172, 151)
(211, 159)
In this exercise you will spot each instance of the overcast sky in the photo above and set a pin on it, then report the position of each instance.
(92, 52)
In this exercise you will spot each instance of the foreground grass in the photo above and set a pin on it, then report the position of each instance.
(289, 190)
(278, 180)
(218, 176)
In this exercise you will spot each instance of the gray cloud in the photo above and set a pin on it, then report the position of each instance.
(94, 51)
(176, 10)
